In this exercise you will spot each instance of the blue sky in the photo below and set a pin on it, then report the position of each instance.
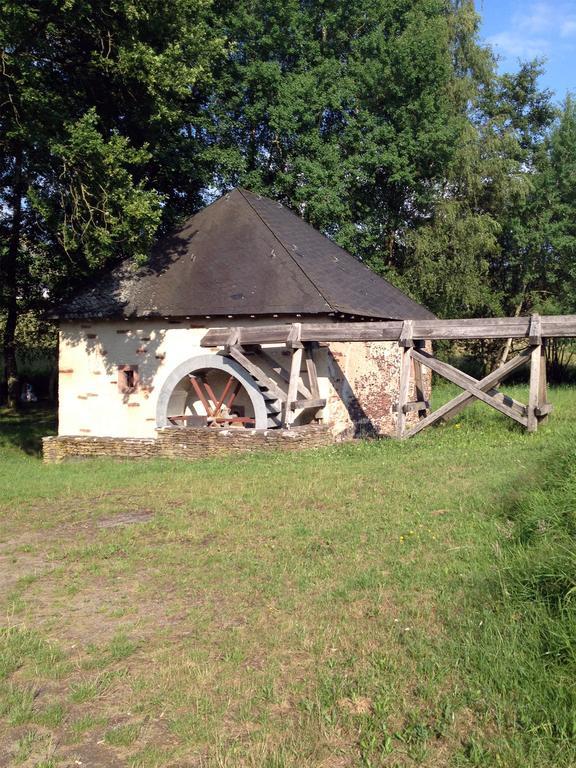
(519, 30)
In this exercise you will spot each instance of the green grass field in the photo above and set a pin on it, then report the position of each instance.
(371, 604)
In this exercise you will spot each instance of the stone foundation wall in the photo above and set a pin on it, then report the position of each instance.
(185, 443)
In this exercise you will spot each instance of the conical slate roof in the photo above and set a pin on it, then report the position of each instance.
(244, 255)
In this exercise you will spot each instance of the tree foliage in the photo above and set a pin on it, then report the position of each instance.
(99, 104)
(382, 122)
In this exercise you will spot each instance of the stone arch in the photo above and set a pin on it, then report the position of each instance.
(203, 363)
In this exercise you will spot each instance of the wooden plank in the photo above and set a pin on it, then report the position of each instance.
(283, 373)
(317, 404)
(543, 410)
(551, 326)
(533, 397)
(467, 383)
(293, 385)
(403, 389)
(258, 373)
(311, 369)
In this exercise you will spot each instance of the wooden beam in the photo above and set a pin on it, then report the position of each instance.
(317, 404)
(311, 369)
(497, 376)
(458, 402)
(403, 388)
(535, 330)
(551, 326)
(544, 407)
(294, 341)
(419, 386)
(467, 383)
(283, 373)
(293, 385)
(258, 373)
(534, 394)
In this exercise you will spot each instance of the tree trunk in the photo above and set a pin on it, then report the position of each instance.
(11, 383)
(508, 343)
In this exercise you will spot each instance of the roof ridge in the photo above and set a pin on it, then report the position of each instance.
(283, 244)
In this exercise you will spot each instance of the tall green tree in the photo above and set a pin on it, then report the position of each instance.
(477, 254)
(348, 111)
(101, 105)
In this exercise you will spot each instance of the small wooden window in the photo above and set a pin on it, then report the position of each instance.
(128, 378)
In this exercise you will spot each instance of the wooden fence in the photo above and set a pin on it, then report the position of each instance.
(411, 336)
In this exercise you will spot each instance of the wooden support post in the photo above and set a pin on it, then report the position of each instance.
(293, 385)
(311, 348)
(533, 399)
(405, 343)
(535, 339)
(280, 371)
(544, 407)
(419, 383)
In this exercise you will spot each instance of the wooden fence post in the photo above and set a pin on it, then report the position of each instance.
(405, 342)
(535, 339)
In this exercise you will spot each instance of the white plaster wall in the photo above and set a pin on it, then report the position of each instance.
(352, 377)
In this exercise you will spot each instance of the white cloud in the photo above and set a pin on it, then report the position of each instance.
(519, 46)
(568, 28)
(536, 29)
(538, 19)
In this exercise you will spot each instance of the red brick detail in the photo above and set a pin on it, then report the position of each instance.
(66, 370)
(133, 405)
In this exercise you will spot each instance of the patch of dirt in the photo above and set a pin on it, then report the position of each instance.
(359, 706)
(126, 518)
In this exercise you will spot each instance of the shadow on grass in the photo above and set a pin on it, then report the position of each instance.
(24, 429)
(520, 624)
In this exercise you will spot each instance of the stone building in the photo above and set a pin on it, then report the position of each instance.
(131, 360)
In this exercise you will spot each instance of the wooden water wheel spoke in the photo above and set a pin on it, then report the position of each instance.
(197, 385)
(212, 396)
(232, 397)
(213, 403)
(225, 393)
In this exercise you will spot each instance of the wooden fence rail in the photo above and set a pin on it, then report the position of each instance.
(390, 330)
